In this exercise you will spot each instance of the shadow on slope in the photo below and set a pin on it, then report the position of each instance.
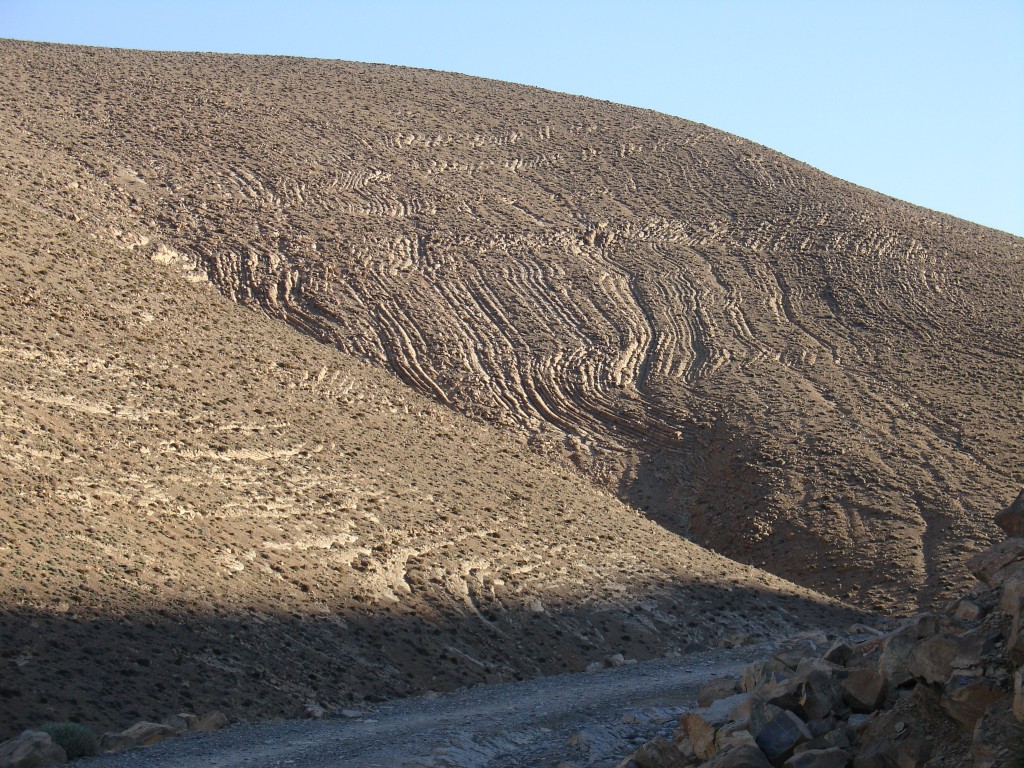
(110, 671)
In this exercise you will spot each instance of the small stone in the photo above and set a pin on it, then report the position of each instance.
(582, 740)
(614, 660)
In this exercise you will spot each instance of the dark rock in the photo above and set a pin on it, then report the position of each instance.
(865, 690)
(968, 610)
(819, 694)
(966, 699)
(741, 757)
(931, 660)
(840, 653)
(761, 672)
(697, 729)
(990, 565)
(819, 758)
(1011, 594)
(792, 657)
(892, 663)
(213, 721)
(1011, 519)
(988, 744)
(754, 713)
(659, 753)
(717, 689)
(781, 735)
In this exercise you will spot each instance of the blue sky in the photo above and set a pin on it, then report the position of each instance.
(920, 100)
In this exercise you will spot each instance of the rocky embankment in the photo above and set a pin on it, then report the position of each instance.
(942, 689)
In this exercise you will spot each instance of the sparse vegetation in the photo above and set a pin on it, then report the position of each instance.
(75, 739)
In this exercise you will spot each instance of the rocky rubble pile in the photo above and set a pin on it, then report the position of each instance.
(942, 689)
(36, 749)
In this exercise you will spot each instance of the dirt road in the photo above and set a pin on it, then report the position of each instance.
(591, 719)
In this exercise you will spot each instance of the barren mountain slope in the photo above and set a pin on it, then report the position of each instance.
(798, 372)
(204, 508)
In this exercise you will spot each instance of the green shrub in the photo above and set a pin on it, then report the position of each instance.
(75, 739)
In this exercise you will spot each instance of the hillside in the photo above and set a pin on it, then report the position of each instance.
(201, 507)
(777, 364)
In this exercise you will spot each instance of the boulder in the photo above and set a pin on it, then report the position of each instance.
(834, 738)
(754, 713)
(182, 723)
(988, 743)
(1011, 519)
(781, 736)
(741, 757)
(912, 752)
(212, 721)
(734, 735)
(990, 565)
(819, 693)
(966, 699)
(892, 663)
(864, 690)
(658, 753)
(819, 758)
(762, 672)
(697, 729)
(31, 749)
(1015, 640)
(791, 657)
(931, 660)
(717, 689)
(139, 735)
(840, 653)
(1011, 594)
(696, 736)
(968, 610)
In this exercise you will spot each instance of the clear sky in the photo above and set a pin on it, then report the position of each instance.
(922, 100)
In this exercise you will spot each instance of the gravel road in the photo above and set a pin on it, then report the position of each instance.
(586, 719)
